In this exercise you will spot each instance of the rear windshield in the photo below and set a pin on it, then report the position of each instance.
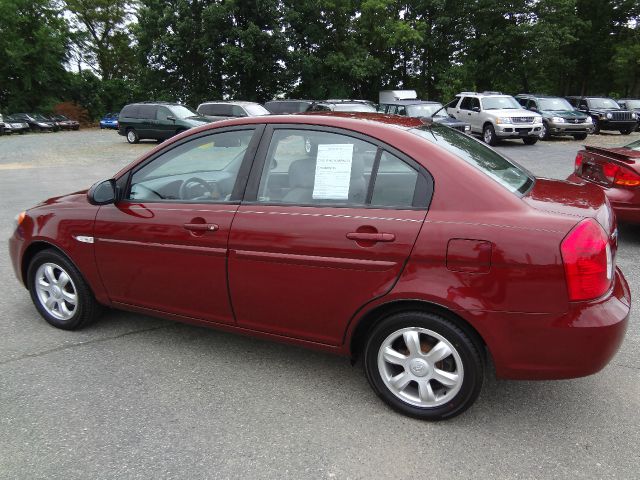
(513, 177)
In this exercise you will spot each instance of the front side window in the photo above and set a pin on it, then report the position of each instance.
(305, 167)
(204, 170)
(491, 163)
(256, 110)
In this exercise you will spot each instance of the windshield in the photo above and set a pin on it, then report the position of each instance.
(511, 176)
(37, 116)
(426, 110)
(500, 103)
(632, 103)
(603, 103)
(256, 110)
(354, 107)
(182, 111)
(635, 146)
(554, 104)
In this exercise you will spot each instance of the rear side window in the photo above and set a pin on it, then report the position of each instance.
(513, 177)
(216, 109)
(130, 111)
(147, 111)
(238, 111)
(306, 167)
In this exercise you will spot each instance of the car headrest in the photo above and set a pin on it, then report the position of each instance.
(227, 141)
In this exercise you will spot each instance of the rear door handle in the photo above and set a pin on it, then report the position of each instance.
(201, 227)
(371, 237)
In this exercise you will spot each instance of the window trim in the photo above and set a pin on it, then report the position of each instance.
(423, 193)
(123, 183)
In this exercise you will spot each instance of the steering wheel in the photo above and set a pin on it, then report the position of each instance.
(187, 192)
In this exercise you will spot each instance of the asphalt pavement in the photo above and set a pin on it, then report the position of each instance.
(137, 397)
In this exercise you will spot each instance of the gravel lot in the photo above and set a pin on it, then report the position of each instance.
(137, 397)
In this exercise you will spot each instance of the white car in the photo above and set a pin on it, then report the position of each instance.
(495, 116)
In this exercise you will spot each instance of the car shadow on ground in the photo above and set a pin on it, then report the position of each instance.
(333, 380)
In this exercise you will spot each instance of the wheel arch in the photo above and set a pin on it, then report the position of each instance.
(37, 247)
(370, 319)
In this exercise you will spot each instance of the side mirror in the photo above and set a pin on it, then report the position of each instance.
(102, 193)
(475, 109)
(171, 117)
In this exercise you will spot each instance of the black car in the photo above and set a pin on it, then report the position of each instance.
(157, 120)
(423, 109)
(36, 122)
(606, 114)
(288, 105)
(632, 104)
(559, 117)
(65, 122)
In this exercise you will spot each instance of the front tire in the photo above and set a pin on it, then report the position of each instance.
(489, 135)
(626, 131)
(544, 132)
(59, 292)
(530, 140)
(132, 136)
(423, 365)
(580, 136)
(596, 126)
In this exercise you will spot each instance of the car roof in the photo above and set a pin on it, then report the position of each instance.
(229, 102)
(482, 94)
(411, 102)
(279, 100)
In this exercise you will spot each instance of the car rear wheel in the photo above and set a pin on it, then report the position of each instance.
(59, 292)
(530, 140)
(423, 365)
(489, 135)
(132, 136)
(580, 136)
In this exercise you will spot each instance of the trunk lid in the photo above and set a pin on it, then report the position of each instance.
(572, 199)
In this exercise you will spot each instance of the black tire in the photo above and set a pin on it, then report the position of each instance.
(596, 126)
(85, 310)
(530, 140)
(489, 135)
(580, 136)
(626, 131)
(544, 131)
(468, 354)
(132, 135)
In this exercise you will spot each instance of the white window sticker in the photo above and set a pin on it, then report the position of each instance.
(333, 171)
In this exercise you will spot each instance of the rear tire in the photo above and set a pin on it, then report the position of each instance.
(132, 136)
(423, 365)
(580, 136)
(59, 292)
(489, 135)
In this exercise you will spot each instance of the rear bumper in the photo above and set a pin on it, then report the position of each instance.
(573, 344)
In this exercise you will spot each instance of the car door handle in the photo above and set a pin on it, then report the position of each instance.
(371, 237)
(201, 227)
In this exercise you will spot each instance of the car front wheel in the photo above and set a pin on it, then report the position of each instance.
(59, 292)
(530, 140)
(580, 136)
(489, 135)
(544, 131)
(132, 136)
(626, 131)
(423, 365)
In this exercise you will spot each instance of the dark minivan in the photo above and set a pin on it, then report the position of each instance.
(156, 120)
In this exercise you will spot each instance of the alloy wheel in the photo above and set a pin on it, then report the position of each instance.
(420, 367)
(56, 291)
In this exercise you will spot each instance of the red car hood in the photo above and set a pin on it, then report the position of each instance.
(577, 200)
(70, 200)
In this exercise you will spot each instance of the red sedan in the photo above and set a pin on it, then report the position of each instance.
(617, 172)
(414, 247)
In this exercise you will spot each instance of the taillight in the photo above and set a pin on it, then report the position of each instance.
(578, 163)
(619, 175)
(588, 262)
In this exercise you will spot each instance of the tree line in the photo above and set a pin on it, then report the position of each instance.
(101, 54)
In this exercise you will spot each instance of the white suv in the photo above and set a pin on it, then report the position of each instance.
(496, 116)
